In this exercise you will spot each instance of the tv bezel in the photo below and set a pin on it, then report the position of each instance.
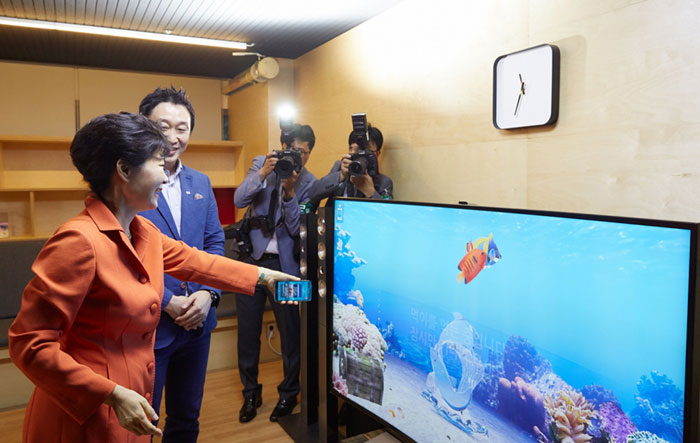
(691, 408)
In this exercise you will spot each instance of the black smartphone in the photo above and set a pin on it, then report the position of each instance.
(293, 290)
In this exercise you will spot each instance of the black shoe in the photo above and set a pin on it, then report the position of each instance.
(284, 407)
(250, 408)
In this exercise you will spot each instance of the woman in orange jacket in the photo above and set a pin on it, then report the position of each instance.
(84, 334)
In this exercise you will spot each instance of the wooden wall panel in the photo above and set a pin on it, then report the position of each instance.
(422, 172)
(629, 114)
(280, 91)
(36, 99)
(423, 74)
(627, 138)
(103, 91)
(40, 99)
(248, 116)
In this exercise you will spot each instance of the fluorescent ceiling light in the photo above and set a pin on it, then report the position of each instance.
(113, 32)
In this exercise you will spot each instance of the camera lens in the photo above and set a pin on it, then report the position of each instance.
(358, 166)
(284, 167)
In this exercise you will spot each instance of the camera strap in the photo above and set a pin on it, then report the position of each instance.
(247, 216)
(274, 201)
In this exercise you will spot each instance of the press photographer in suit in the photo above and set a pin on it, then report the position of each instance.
(274, 187)
(348, 176)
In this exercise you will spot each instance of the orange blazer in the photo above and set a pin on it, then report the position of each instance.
(88, 319)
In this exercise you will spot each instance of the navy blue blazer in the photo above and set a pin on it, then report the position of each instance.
(258, 194)
(201, 228)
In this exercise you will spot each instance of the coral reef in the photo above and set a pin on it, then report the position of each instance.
(392, 340)
(571, 415)
(339, 384)
(659, 407)
(599, 435)
(536, 368)
(521, 359)
(598, 394)
(615, 422)
(486, 392)
(644, 437)
(355, 297)
(347, 318)
(521, 403)
(358, 338)
(551, 384)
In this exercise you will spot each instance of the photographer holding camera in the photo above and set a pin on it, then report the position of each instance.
(274, 186)
(356, 174)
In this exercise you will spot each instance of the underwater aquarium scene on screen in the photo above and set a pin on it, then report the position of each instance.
(461, 324)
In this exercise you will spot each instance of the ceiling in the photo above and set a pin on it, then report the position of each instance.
(277, 28)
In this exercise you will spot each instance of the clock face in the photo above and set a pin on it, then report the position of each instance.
(526, 88)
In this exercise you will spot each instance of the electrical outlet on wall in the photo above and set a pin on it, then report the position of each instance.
(270, 328)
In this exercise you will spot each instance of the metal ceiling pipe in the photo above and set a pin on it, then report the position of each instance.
(263, 70)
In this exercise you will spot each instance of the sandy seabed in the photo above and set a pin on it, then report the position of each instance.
(405, 408)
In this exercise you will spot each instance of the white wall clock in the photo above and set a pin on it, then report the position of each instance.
(526, 88)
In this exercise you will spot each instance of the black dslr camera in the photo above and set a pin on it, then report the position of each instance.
(290, 158)
(363, 160)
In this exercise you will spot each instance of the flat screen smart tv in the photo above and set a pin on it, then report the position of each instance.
(470, 324)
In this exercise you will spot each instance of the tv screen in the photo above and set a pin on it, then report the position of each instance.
(458, 323)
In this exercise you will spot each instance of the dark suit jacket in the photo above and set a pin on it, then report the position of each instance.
(252, 192)
(329, 186)
(201, 228)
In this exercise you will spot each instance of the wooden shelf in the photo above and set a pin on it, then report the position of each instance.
(40, 188)
(25, 237)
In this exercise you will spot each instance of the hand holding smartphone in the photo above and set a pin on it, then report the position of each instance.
(293, 290)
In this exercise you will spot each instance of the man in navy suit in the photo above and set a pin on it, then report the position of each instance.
(276, 217)
(186, 211)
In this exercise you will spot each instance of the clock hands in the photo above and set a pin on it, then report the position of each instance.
(520, 95)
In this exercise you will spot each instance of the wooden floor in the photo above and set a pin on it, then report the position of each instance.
(218, 420)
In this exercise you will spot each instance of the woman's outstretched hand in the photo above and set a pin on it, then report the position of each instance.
(269, 278)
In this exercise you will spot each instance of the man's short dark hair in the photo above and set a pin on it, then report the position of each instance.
(375, 135)
(104, 140)
(305, 134)
(167, 95)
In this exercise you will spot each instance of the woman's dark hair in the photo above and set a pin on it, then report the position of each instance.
(169, 95)
(98, 145)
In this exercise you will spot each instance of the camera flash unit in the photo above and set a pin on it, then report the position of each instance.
(286, 112)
